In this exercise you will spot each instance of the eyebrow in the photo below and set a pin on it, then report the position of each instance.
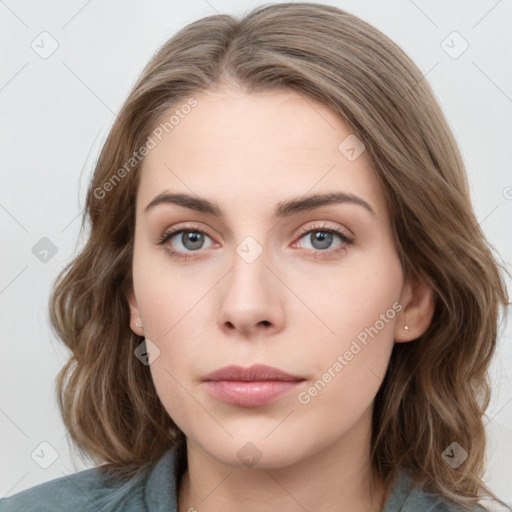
(283, 209)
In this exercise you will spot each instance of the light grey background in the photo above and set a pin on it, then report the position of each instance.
(56, 112)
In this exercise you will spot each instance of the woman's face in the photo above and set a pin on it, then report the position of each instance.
(264, 279)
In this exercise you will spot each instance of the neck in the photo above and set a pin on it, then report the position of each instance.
(338, 477)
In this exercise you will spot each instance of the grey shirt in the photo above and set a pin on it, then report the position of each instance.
(156, 491)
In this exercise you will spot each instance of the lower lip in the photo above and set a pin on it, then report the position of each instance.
(250, 394)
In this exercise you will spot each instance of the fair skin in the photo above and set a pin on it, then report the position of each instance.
(297, 306)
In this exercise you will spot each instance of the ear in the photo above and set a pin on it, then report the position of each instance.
(134, 311)
(418, 303)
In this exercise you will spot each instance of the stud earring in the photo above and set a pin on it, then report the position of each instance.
(138, 325)
(406, 327)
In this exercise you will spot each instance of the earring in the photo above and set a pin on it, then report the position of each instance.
(406, 327)
(138, 325)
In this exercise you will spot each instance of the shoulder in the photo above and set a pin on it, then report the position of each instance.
(84, 491)
(90, 490)
(408, 497)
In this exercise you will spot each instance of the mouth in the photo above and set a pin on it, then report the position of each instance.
(250, 387)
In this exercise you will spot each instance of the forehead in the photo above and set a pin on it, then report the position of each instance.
(230, 118)
(255, 147)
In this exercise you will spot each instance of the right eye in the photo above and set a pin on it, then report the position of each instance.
(191, 239)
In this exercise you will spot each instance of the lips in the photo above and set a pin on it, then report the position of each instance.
(250, 387)
(257, 372)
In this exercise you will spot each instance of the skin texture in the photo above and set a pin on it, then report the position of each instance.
(290, 308)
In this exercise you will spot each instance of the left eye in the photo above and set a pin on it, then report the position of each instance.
(321, 239)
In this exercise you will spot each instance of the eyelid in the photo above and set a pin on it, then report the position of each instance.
(303, 230)
(169, 232)
(343, 232)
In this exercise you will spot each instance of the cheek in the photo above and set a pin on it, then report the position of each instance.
(355, 296)
(352, 363)
(171, 373)
(169, 309)
(166, 293)
(359, 309)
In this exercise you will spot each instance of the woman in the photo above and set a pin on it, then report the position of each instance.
(285, 300)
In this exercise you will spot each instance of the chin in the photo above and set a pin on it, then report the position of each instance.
(260, 453)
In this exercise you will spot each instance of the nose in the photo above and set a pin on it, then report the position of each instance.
(251, 299)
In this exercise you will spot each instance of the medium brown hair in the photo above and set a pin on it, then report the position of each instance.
(436, 388)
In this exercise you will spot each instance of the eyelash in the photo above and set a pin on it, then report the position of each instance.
(346, 240)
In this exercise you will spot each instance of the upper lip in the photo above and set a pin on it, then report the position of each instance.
(256, 372)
